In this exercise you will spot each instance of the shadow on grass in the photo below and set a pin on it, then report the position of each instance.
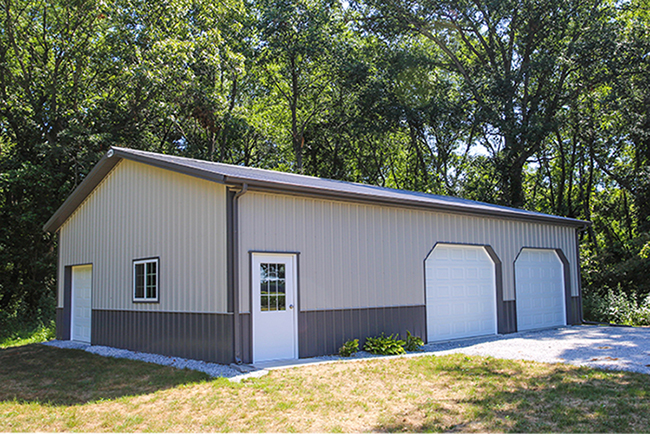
(55, 376)
(557, 399)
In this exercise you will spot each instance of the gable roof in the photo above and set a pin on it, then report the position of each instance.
(281, 182)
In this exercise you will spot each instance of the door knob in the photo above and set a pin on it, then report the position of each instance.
(291, 306)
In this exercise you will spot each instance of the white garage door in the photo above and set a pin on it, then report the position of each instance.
(460, 293)
(82, 277)
(539, 285)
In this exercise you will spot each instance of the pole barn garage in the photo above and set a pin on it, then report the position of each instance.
(224, 263)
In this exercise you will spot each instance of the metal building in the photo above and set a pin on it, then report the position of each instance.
(226, 263)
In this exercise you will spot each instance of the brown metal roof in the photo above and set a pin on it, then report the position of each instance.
(282, 182)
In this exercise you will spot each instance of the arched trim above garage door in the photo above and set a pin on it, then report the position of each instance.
(542, 288)
(476, 278)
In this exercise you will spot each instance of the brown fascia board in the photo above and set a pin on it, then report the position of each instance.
(111, 159)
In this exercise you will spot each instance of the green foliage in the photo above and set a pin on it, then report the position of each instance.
(412, 343)
(384, 345)
(616, 266)
(13, 334)
(617, 307)
(349, 348)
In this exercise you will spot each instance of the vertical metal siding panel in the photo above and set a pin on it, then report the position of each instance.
(367, 226)
(114, 226)
(329, 269)
(341, 250)
(350, 262)
(368, 229)
(100, 274)
(383, 256)
(399, 276)
(375, 273)
(289, 225)
(464, 223)
(355, 246)
(312, 262)
(408, 254)
(378, 274)
(337, 252)
(325, 263)
(355, 255)
(366, 245)
(315, 293)
(392, 262)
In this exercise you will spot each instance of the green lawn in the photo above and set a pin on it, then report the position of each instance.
(50, 389)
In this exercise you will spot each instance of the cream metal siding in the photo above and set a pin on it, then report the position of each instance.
(356, 255)
(139, 211)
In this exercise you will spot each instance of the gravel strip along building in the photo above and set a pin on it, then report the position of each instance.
(223, 263)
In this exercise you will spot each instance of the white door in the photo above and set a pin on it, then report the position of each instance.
(539, 286)
(82, 277)
(460, 293)
(275, 309)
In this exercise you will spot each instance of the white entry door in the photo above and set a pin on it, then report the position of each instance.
(539, 286)
(460, 293)
(82, 277)
(275, 309)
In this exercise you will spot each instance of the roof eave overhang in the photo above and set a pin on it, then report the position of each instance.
(271, 187)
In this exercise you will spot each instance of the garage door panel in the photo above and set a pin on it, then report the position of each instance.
(443, 273)
(539, 280)
(461, 293)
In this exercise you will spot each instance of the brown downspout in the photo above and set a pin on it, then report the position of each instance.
(235, 261)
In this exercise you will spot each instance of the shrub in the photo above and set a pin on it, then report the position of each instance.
(384, 345)
(412, 343)
(349, 348)
(617, 307)
(28, 334)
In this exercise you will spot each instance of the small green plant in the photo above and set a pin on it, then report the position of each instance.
(412, 343)
(349, 348)
(384, 345)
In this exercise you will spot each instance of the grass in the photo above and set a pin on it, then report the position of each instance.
(51, 389)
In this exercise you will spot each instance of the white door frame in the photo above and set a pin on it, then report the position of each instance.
(291, 302)
(72, 299)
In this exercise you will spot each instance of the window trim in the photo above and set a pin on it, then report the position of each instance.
(156, 260)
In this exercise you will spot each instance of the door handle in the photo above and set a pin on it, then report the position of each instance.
(291, 306)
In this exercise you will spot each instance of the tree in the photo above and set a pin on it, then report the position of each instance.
(296, 51)
(514, 58)
(48, 76)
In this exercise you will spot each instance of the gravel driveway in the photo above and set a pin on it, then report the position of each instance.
(620, 348)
